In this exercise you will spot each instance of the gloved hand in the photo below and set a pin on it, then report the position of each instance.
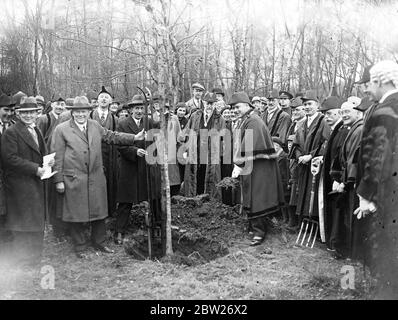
(335, 186)
(340, 188)
(365, 207)
(236, 172)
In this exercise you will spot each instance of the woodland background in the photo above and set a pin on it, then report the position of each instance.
(66, 48)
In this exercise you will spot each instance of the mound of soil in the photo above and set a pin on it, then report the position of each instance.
(202, 230)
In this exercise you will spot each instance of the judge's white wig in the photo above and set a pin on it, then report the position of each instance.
(385, 71)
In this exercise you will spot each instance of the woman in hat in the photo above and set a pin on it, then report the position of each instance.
(22, 151)
(80, 178)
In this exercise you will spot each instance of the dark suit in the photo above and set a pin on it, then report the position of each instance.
(132, 184)
(25, 192)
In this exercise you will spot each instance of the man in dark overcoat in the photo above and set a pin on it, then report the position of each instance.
(22, 151)
(132, 186)
(46, 124)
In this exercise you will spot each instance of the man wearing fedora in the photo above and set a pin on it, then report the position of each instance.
(81, 178)
(202, 165)
(277, 121)
(22, 151)
(255, 161)
(132, 184)
(108, 120)
(309, 142)
(195, 103)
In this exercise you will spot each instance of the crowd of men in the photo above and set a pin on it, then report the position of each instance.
(296, 156)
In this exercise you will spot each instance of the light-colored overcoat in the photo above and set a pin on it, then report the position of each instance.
(79, 164)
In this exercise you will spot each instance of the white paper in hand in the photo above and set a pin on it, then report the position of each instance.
(48, 173)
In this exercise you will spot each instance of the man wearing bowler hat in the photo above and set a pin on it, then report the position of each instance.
(22, 151)
(331, 109)
(309, 143)
(255, 162)
(80, 178)
(195, 103)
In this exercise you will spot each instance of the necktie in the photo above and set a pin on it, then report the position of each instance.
(34, 134)
(84, 130)
(103, 119)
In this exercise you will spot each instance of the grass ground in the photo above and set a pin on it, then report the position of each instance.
(274, 270)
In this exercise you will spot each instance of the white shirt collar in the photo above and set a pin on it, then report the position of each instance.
(54, 114)
(387, 94)
(334, 126)
(103, 112)
(137, 121)
(81, 126)
(311, 119)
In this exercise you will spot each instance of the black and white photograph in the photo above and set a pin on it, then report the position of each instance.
(198, 155)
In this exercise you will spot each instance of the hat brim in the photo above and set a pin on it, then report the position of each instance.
(77, 107)
(309, 99)
(28, 109)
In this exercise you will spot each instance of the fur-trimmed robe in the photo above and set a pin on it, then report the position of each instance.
(309, 141)
(260, 179)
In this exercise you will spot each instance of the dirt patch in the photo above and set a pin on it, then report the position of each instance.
(202, 231)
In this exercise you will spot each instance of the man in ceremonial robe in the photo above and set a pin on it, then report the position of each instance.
(378, 185)
(309, 142)
(255, 162)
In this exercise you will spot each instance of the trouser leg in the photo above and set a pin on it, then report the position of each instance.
(123, 216)
(334, 238)
(78, 237)
(201, 175)
(259, 226)
(98, 232)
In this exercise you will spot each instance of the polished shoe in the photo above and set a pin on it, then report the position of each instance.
(256, 241)
(103, 249)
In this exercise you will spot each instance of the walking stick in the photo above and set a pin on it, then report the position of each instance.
(149, 209)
